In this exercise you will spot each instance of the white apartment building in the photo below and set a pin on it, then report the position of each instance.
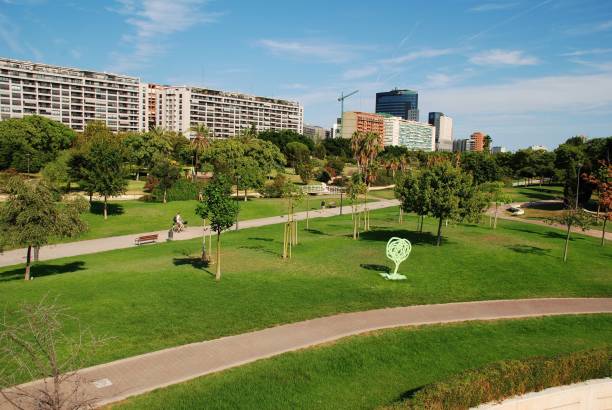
(412, 135)
(224, 113)
(75, 97)
(444, 134)
(71, 96)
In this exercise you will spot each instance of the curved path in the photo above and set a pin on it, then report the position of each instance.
(139, 374)
(63, 250)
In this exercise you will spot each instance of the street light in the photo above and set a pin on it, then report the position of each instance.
(578, 183)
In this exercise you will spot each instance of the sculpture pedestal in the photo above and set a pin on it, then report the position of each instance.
(392, 276)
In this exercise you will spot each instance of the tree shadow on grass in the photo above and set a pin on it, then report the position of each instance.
(194, 261)
(317, 232)
(547, 234)
(42, 269)
(527, 249)
(97, 208)
(376, 268)
(416, 238)
(409, 394)
(262, 239)
(260, 248)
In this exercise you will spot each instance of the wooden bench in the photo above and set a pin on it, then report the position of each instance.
(331, 204)
(146, 239)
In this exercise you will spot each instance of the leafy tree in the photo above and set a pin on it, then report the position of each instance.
(451, 194)
(569, 218)
(103, 170)
(482, 167)
(494, 192)
(281, 138)
(487, 144)
(413, 196)
(249, 175)
(354, 188)
(319, 150)
(57, 171)
(220, 209)
(31, 142)
(297, 153)
(305, 170)
(143, 148)
(30, 217)
(293, 194)
(167, 173)
(200, 143)
(338, 147)
(366, 147)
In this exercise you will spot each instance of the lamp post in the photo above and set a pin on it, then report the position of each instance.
(578, 184)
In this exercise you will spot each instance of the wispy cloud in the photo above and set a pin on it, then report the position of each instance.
(503, 57)
(10, 36)
(591, 28)
(322, 51)
(541, 94)
(492, 7)
(152, 22)
(357, 73)
(592, 51)
(417, 55)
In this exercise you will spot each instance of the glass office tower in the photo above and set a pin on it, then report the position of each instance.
(399, 103)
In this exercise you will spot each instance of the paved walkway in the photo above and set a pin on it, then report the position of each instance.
(139, 374)
(503, 214)
(17, 256)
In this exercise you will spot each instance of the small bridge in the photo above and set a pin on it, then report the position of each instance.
(323, 189)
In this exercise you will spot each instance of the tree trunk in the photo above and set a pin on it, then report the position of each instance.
(105, 208)
(439, 232)
(245, 195)
(204, 255)
(165, 192)
(495, 220)
(90, 197)
(603, 231)
(218, 274)
(137, 175)
(569, 227)
(28, 261)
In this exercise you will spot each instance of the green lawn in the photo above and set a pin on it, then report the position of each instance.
(382, 194)
(534, 193)
(157, 296)
(128, 217)
(364, 372)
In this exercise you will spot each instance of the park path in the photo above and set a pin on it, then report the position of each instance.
(502, 214)
(63, 250)
(120, 379)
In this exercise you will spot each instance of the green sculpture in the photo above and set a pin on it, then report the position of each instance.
(398, 250)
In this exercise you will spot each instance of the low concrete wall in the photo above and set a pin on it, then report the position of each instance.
(590, 395)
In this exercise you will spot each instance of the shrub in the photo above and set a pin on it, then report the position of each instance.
(275, 189)
(182, 190)
(508, 378)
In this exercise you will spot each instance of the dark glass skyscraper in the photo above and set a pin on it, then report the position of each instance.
(399, 103)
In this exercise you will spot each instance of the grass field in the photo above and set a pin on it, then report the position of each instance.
(365, 372)
(158, 296)
(128, 217)
(534, 193)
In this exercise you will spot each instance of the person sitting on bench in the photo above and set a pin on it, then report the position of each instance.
(178, 221)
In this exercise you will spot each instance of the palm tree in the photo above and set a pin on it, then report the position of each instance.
(487, 143)
(366, 147)
(199, 143)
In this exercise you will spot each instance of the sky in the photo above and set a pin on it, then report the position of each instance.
(523, 71)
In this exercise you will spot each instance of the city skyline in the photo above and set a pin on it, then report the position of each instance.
(481, 70)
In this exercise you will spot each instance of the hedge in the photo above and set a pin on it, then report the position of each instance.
(504, 379)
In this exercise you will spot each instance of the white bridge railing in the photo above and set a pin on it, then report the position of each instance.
(322, 189)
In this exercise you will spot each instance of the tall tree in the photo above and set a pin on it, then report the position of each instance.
(220, 209)
(30, 217)
(167, 173)
(411, 193)
(199, 143)
(494, 193)
(104, 169)
(569, 218)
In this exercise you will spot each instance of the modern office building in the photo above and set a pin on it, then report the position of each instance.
(316, 133)
(412, 135)
(399, 103)
(498, 150)
(444, 130)
(224, 113)
(461, 145)
(71, 96)
(362, 121)
(75, 97)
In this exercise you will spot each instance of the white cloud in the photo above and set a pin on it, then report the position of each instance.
(492, 7)
(311, 49)
(152, 21)
(417, 55)
(562, 94)
(503, 57)
(357, 73)
(591, 28)
(593, 51)
(294, 86)
(439, 80)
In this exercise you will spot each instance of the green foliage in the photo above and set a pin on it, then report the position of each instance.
(142, 148)
(275, 189)
(338, 147)
(336, 164)
(508, 378)
(281, 138)
(218, 206)
(103, 170)
(167, 173)
(297, 152)
(481, 165)
(228, 155)
(56, 172)
(249, 174)
(305, 169)
(184, 190)
(33, 139)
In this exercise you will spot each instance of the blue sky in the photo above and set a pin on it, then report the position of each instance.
(524, 71)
